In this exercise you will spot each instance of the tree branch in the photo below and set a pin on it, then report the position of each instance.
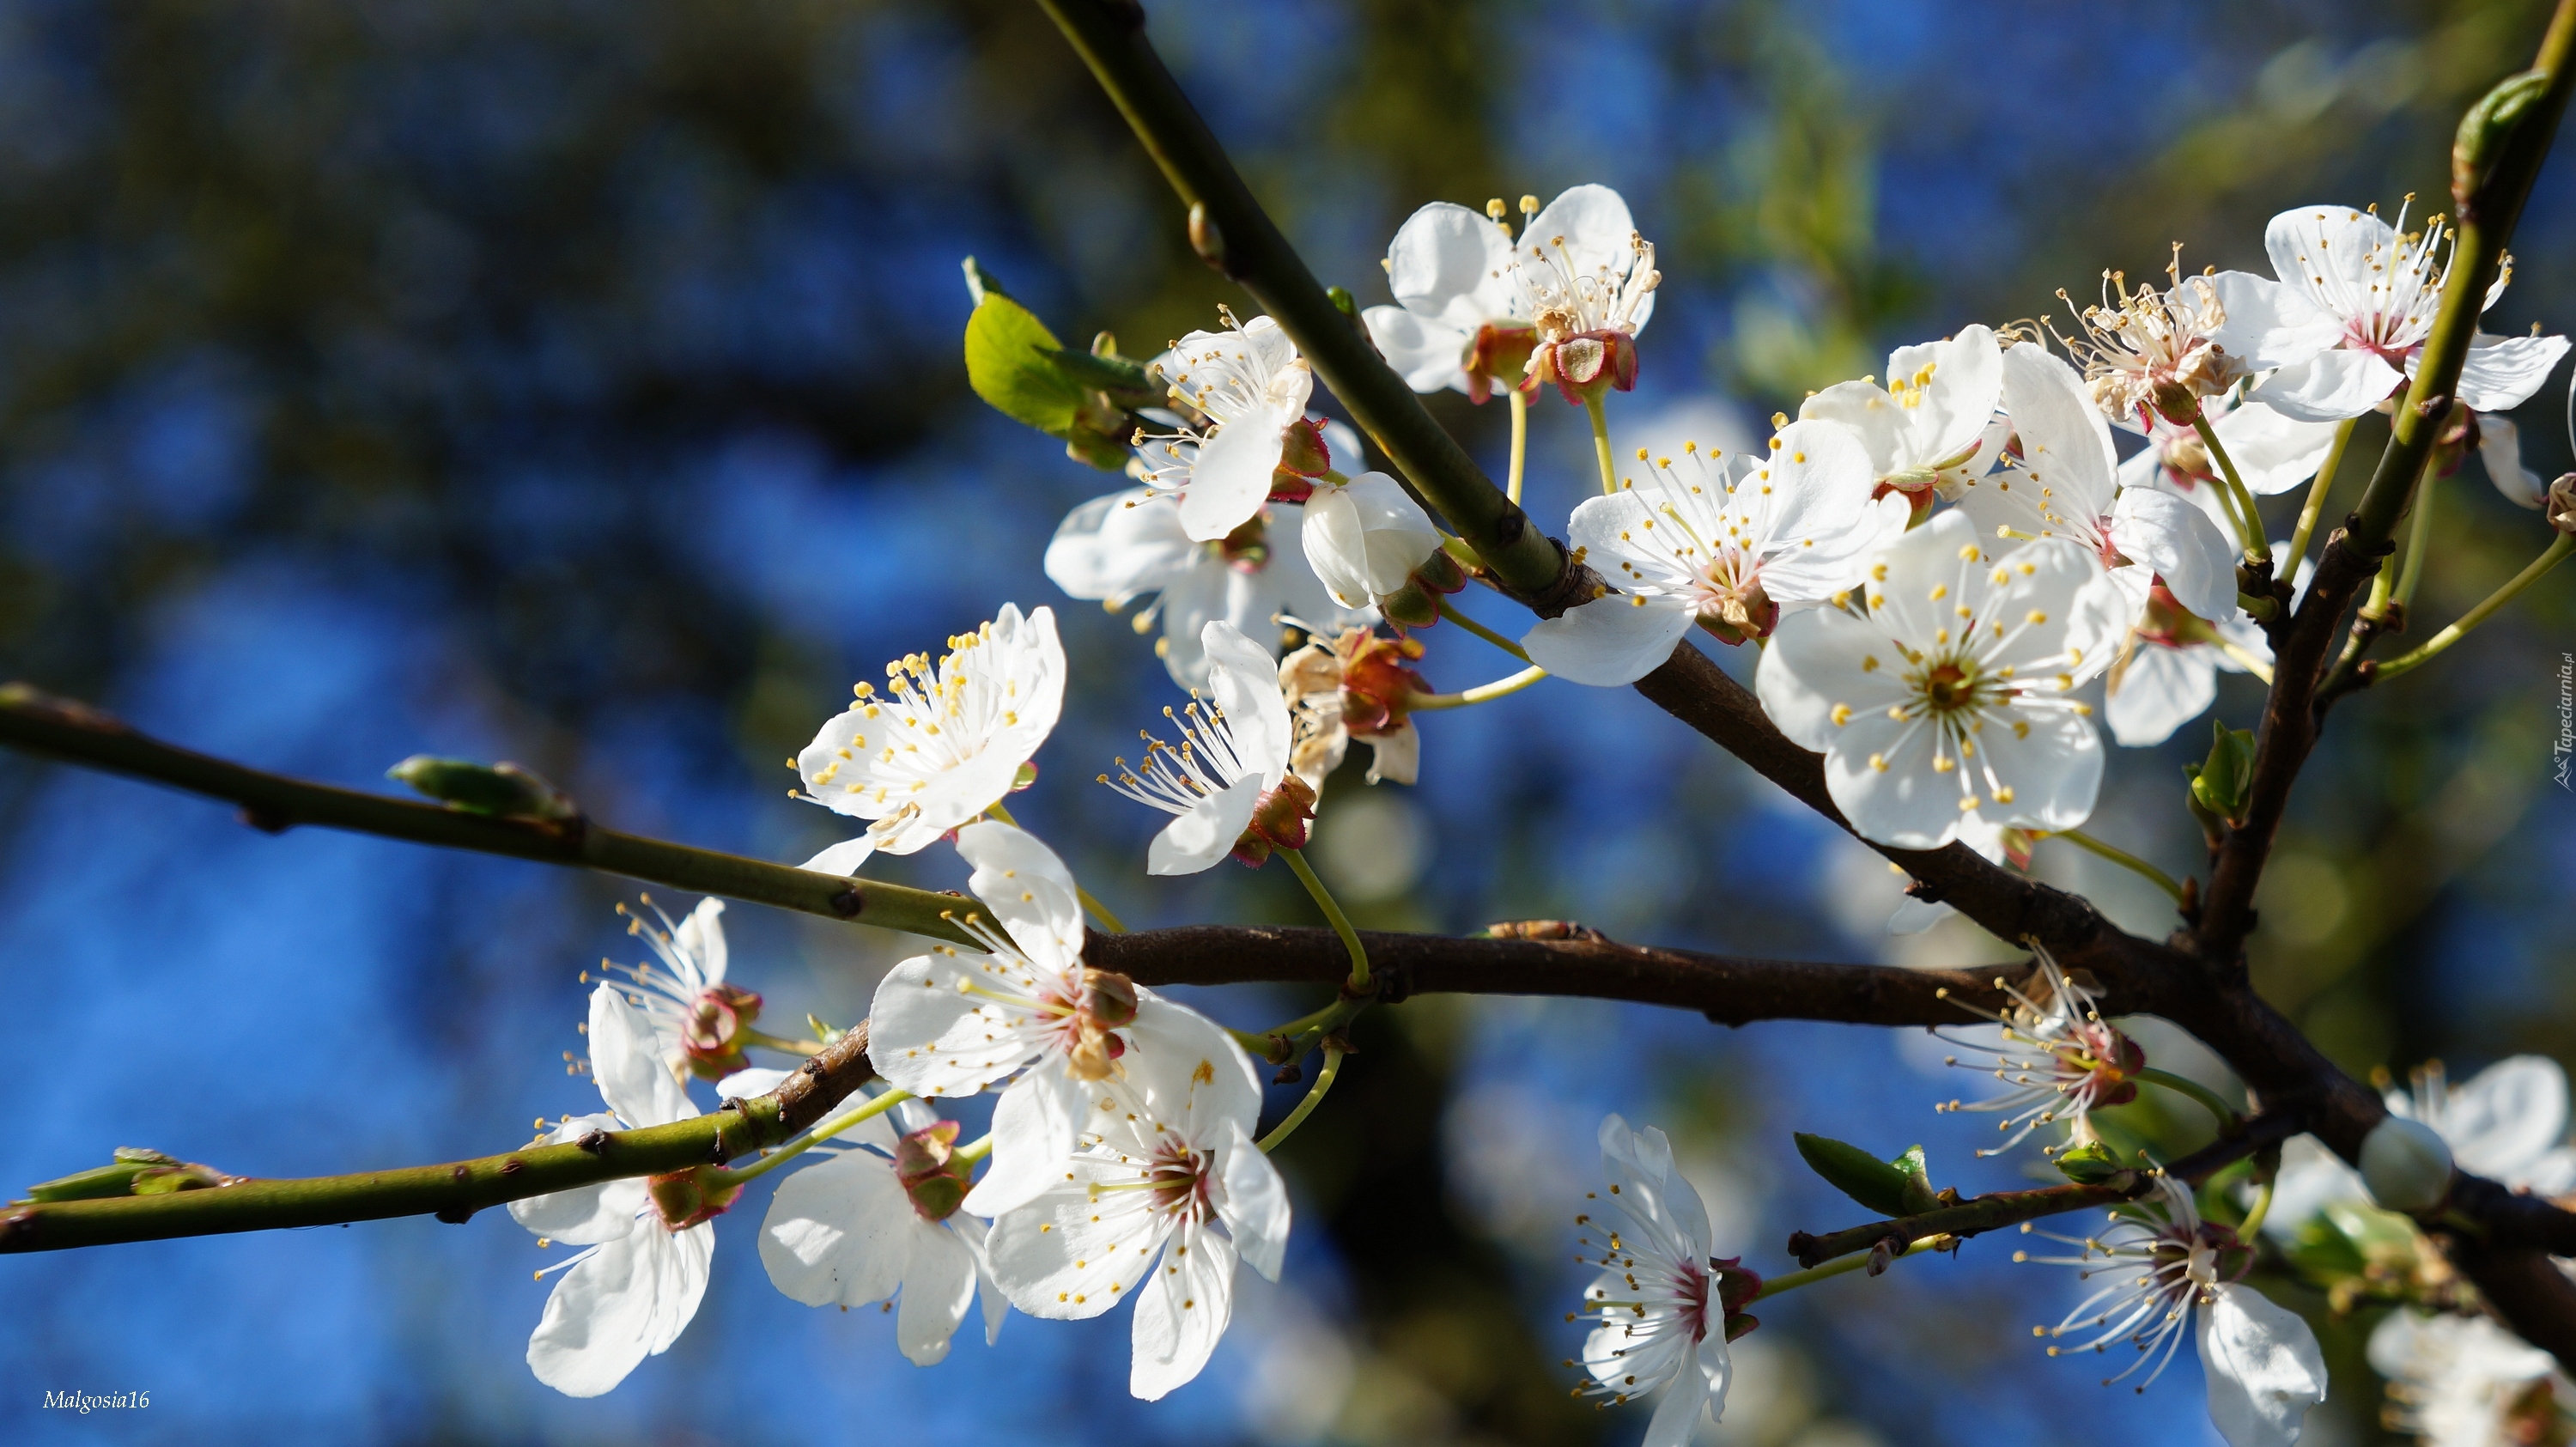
(41, 723)
(1995, 1210)
(456, 1190)
(1728, 990)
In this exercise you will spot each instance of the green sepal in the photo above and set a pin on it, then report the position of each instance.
(1877, 1184)
(502, 789)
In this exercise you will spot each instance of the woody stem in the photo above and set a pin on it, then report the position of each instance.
(812, 1138)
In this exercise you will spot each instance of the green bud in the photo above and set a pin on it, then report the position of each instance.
(2224, 780)
(1343, 301)
(1918, 1194)
(108, 1180)
(1856, 1173)
(2484, 128)
(502, 789)
(2089, 1164)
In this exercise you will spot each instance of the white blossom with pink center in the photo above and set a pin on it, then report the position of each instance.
(1660, 1321)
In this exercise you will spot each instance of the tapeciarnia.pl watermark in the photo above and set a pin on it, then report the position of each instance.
(2562, 750)
(88, 1402)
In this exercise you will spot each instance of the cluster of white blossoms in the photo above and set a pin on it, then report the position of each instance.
(1937, 570)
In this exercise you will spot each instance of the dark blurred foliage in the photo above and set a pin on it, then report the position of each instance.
(580, 384)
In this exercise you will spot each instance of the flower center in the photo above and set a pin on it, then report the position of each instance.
(1181, 1181)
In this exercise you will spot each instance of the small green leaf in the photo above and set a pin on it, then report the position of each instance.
(1011, 363)
(1857, 1174)
(2226, 777)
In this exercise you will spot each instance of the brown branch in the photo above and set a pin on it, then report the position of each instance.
(41, 723)
(1728, 990)
(455, 1190)
(1996, 1210)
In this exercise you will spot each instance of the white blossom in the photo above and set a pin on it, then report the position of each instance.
(943, 743)
(1658, 1311)
(846, 1232)
(695, 1015)
(631, 1290)
(1724, 545)
(1587, 282)
(1931, 428)
(1250, 387)
(2062, 480)
(1468, 301)
(949, 1023)
(1354, 685)
(1947, 687)
(2057, 1057)
(2507, 1123)
(1165, 1194)
(2170, 350)
(2463, 1381)
(1116, 549)
(2169, 1273)
(1234, 752)
(2273, 453)
(2380, 287)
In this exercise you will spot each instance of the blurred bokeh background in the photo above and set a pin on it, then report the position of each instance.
(580, 384)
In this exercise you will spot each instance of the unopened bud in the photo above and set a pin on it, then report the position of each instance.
(2406, 1164)
(502, 789)
(2089, 1163)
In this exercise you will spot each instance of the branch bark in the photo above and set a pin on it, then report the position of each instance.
(456, 1190)
(274, 803)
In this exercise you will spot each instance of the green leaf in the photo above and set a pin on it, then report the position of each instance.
(1010, 362)
(1858, 1174)
(502, 789)
(2227, 776)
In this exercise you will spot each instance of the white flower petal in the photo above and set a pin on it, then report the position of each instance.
(2329, 386)
(2162, 689)
(1451, 266)
(2263, 1368)
(1195, 841)
(1066, 1256)
(1231, 477)
(1036, 1126)
(1610, 642)
(2066, 442)
(2500, 452)
(599, 1319)
(839, 1233)
(1255, 1209)
(1426, 353)
(628, 1064)
(2161, 531)
(938, 1288)
(1965, 383)
(1113, 548)
(1182, 1312)
(2501, 373)
(1365, 539)
(1243, 678)
(2269, 325)
(1028, 889)
(2273, 453)
(843, 858)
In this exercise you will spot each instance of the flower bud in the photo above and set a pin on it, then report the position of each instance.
(686, 1198)
(2222, 783)
(2561, 504)
(2406, 1165)
(2088, 1163)
(502, 789)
